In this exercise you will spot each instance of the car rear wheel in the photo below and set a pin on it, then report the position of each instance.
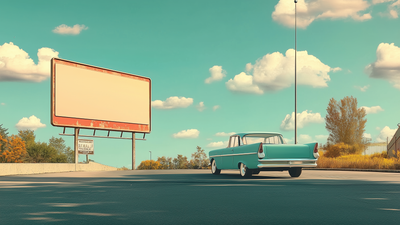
(295, 172)
(244, 171)
(214, 169)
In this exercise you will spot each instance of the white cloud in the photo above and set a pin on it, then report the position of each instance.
(305, 138)
(303, 119)
(275, 71)
(312, 10)
(366, 135)
(393, 8)
(200, 106)
(218, 144)
(217, 73)
(321, 137)
(16, 65)
(363, 89)
(223, 134)
(288, 141)
(190, 133)
(215, 107)
(385, 133)
(393, 13)
(75, 30)
(172, 103)
(31, 123)
(372, 110)
(243, 83)
(387, 64)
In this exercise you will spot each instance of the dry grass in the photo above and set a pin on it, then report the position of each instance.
(375, 161)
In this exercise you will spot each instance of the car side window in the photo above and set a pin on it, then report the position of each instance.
(234, 141)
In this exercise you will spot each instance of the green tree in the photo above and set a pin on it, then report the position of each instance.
(180, 162)
(165, 162)
(41, 152)
(28, 136)
(199, 159)
(62, 149)
(346, 123)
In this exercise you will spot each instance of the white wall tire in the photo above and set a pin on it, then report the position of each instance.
(244, 171)
(214, 168)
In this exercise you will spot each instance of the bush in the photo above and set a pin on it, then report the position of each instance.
(340, 149)
(149, 165)
(375, 161)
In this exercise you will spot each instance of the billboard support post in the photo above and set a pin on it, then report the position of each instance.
(133, 151)
(76, 146)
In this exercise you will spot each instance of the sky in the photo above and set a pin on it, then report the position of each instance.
(217, 67)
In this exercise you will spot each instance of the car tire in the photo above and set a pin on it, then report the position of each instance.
(214, 168)
(244, 171)
(295, 172)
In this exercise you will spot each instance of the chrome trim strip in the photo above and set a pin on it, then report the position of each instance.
(281, 160)
(234, 154)
(286, 165)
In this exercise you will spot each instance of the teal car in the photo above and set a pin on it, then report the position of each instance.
(255, 152)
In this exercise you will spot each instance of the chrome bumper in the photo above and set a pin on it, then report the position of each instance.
(268, 163)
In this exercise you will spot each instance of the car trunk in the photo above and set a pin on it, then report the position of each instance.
(286, 151)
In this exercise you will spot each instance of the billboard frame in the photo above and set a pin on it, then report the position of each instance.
(98, 124)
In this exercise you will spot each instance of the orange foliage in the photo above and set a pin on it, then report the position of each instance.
(375, 161)
(15, 150)
(149, 165)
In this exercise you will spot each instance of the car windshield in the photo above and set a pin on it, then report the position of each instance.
(264, 138)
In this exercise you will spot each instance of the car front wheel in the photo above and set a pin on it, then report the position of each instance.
(244, 171)
(214, 169)
(295, 172)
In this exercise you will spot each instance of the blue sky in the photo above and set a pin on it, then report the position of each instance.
(216, 67)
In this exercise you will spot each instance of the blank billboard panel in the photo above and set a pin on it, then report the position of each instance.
(92, 97)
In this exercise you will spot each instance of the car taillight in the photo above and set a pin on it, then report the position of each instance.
(316, 148)
(260, 152)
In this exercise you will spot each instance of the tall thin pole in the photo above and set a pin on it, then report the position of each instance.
(295, 72)
(133, 151)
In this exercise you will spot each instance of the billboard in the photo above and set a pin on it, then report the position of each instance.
(85, 96)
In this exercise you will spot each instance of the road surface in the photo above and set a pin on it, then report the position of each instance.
(198, 197)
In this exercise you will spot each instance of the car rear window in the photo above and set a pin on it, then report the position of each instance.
(270, 139)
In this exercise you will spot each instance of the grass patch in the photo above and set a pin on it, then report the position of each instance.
(375, 161)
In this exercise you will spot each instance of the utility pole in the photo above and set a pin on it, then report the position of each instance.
(295, 72)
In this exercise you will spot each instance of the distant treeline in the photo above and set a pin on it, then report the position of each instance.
(199, 161)
(22, 148)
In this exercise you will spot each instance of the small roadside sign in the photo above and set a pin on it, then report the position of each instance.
(85, 147)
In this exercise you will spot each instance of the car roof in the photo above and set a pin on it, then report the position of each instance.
(243, 134)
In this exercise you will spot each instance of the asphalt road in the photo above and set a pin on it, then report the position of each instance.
(198, 197)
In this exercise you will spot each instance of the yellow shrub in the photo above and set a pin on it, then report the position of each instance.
(375, 161)
(340, 149)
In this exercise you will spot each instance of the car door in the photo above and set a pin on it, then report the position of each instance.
(228, 152)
